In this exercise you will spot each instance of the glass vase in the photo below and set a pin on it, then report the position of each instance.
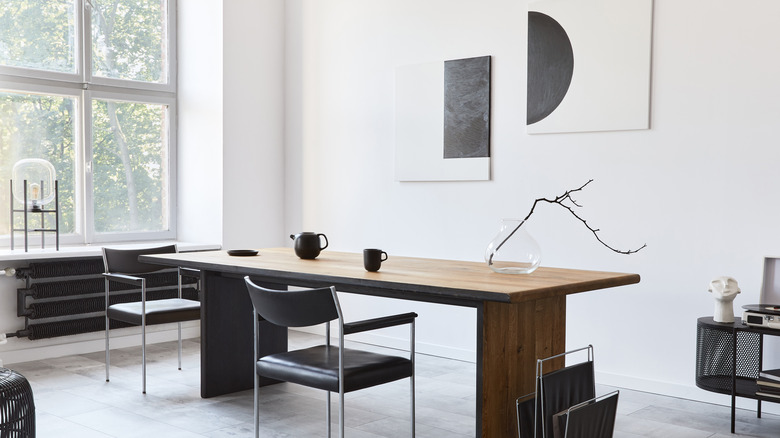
(513, 250)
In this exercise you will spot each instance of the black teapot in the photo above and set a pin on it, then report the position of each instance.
(307, 244)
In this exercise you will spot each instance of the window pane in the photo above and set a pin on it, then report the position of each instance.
(130, 166)
(39, 34)
(38, 126)
(129, 39)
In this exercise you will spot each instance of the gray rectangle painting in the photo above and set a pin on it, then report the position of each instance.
(467, 108)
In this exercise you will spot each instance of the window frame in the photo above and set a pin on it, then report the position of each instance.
(93, 236)
(45, 75)
(83, 87)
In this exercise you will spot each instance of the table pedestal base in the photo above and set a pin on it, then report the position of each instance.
(513, 337)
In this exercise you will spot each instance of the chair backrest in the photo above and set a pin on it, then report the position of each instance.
(125, 261)
(563, 388)
(293, 308)
(594, 418)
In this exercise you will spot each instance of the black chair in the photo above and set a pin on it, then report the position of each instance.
(557, 392)
(122, 266)
(326, 367)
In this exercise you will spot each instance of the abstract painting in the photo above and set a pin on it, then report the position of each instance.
(443, 121)
(588, 65)
(467, 108)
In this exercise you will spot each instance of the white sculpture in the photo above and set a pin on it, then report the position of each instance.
(724, 289)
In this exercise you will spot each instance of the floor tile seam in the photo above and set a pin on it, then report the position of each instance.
(660, 429)
(172, 423)
(711, 432)
(684, 412)
(121, 411)
(65, 419)
(122, 404)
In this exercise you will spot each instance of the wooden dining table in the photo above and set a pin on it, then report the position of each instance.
(520, 318)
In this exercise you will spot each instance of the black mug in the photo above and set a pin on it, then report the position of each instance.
(373, 258)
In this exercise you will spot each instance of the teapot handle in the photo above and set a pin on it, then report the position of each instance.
(326, 241)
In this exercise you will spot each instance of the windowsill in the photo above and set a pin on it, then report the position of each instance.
(79, 251)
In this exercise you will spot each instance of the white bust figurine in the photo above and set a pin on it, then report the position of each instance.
(724, 289)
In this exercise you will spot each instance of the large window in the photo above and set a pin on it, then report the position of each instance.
(89, 85)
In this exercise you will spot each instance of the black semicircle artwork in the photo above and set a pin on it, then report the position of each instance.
(550, 66)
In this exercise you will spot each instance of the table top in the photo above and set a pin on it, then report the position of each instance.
(412, 277)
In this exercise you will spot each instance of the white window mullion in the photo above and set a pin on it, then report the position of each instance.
(86, 210)
(85, 40)
(87, 204)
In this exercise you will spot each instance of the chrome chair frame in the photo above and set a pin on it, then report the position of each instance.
(140, 282)
(344, 329)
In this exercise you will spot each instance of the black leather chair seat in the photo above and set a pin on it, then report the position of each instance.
(157, 311)
(318, 367)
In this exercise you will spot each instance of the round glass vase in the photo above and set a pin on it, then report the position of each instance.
(513, 250)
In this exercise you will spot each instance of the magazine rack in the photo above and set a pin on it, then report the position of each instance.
(719, 369)
(565, 403)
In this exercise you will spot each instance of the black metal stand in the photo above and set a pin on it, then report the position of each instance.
(36, 210)
(729, 357)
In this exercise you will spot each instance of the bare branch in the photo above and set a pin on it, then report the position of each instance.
(560, 201)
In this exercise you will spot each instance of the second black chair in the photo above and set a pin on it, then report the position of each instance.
(326, 367)
(122, 266)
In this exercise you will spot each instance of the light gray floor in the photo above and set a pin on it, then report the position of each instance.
(73, 400)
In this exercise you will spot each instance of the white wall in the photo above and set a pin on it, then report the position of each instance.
(698, 187)
(253, 123)
(200, 112)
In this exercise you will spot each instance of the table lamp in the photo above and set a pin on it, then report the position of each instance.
(34, 182)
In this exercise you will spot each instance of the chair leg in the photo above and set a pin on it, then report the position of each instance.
(255, 355)
(179, 324)
(327, 411)
(257, 407)
(414, 372)
(143, 357)
(341, 414)
(108, 357)
(412, 403)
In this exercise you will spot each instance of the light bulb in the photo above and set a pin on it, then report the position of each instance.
(35, 191)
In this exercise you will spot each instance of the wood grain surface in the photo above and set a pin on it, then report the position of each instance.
(466, 280)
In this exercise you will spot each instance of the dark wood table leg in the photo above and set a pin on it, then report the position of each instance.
(227, 335)
(514, 336)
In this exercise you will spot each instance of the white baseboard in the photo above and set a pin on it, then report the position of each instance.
(24, 350)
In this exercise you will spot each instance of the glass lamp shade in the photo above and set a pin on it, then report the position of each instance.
(40, 176)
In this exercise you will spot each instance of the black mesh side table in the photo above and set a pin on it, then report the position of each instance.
(17, 409)
(719, 369)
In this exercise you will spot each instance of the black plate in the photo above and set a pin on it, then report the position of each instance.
(242, 252)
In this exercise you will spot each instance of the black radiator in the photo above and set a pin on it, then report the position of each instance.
(67, 297)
